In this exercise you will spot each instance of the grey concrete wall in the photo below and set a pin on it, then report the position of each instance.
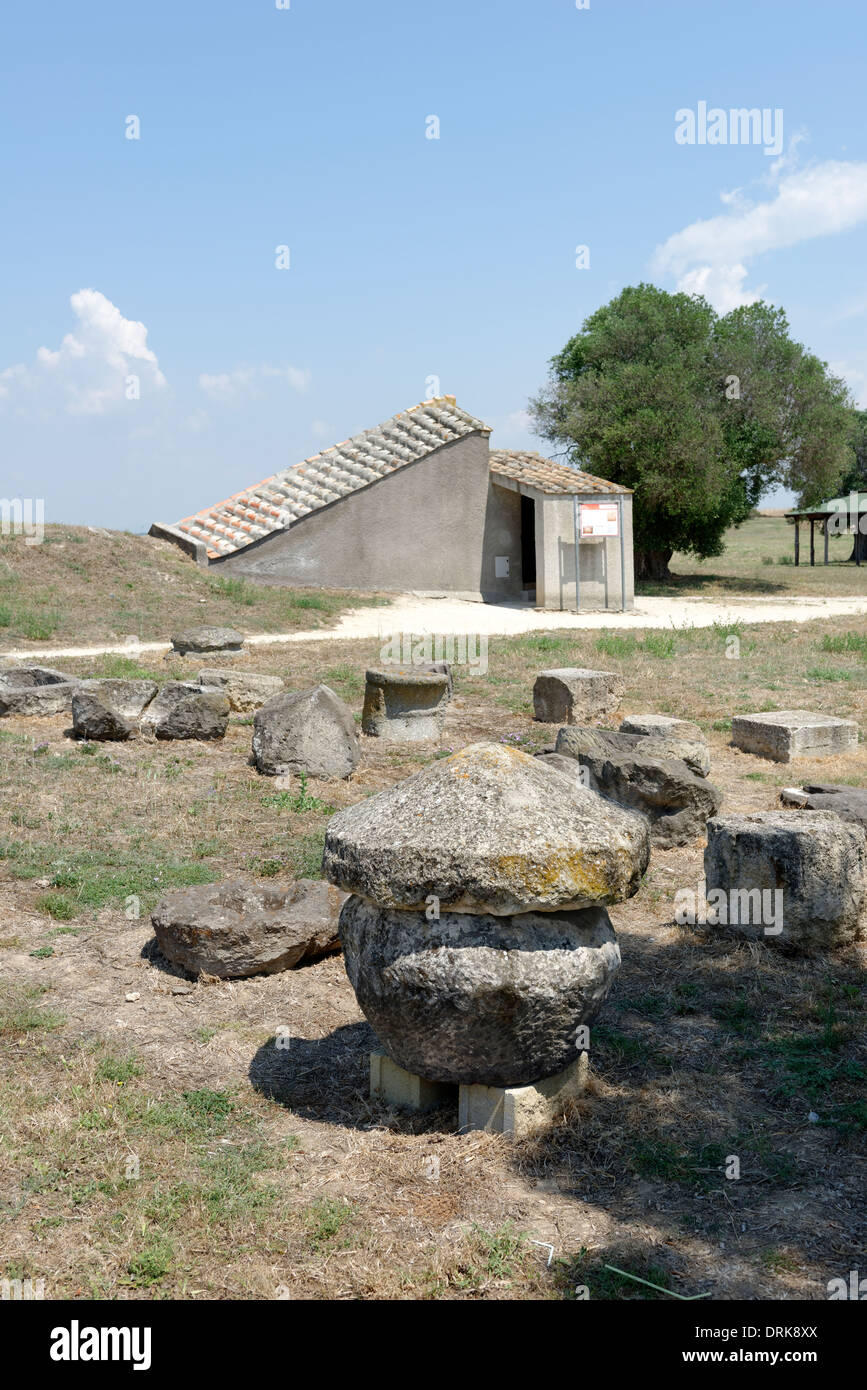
(502, 537)
(555, 559)
(432, 525)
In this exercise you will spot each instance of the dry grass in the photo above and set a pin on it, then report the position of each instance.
(269, 1173)
(759, 562)
(84, 585)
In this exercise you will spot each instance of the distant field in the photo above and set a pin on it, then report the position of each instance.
(83, 585)
(759, 559)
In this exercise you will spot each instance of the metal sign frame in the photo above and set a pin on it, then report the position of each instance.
(577, 526)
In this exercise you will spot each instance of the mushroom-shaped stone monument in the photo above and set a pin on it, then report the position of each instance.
(476, 937)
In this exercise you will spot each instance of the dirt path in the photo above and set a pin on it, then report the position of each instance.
(412, 614)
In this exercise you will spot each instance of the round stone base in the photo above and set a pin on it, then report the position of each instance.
(473, 999)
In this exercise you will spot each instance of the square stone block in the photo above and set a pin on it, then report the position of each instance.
(796, 878)
(392, 1083)
(55, 698)
(521, 1110)
(794, 733)
(573, 694)
(662, 726)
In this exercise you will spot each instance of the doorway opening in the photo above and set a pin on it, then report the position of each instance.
(528, 546)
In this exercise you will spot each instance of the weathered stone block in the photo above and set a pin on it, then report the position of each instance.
(208, 639)
(813, 860)
(675, 801)
(470, 998)
(182, 710)
(246, 691)
(309, 731)
(35, 690)
(572, 694)
(35, 700)
(782, 735)
(662, 726)
(487, 830)
(576, 739)
(849, 803)
(129, 698)
(405, 704)
(245, 928)
(93, 720)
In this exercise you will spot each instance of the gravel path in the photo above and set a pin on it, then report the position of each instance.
(412, 614)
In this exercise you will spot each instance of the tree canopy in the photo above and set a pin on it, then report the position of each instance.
(698, 413)
(855, 477)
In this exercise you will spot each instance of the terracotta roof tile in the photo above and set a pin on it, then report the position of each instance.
(278, 501)
(287, 496)
(546, 475)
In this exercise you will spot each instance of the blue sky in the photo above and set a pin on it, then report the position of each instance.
(410, 258)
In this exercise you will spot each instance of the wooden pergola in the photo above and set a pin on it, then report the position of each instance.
(840, 507)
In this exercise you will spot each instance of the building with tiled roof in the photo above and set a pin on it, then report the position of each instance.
(422, 503)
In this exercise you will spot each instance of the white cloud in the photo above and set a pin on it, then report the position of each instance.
(89, 374)
(320, 429)
(712, 257)
(297, 377)
(856, 378)
(245, 382)
(228, 384)
(513, 431)
(853, 310)
(197, 420)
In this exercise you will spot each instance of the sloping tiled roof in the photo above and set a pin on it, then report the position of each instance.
(278, 501)
(546, 475)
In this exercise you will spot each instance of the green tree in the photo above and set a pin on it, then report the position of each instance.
(698, 414)
(855, 478)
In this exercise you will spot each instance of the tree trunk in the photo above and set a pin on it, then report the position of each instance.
(859, 548)
(652, 564)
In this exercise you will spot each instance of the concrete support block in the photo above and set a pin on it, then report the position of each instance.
(392, 1083)
(521, 1110)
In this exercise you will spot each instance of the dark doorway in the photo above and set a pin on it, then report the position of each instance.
(528, 542)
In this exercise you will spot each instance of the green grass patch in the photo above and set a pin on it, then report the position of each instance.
(306, 855)
(348, 679)
(316, 601)
(828, 673)
(621, 644)
(119, 1070)
(611, 1276)
(201, 1112)
(124, 668)
(20, 1012)
(238, 590)
(846, 642)
(151, 1265)
(56, 905)
(299, 801)
(621, 1047)
(326, 1219)
(93, 879)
